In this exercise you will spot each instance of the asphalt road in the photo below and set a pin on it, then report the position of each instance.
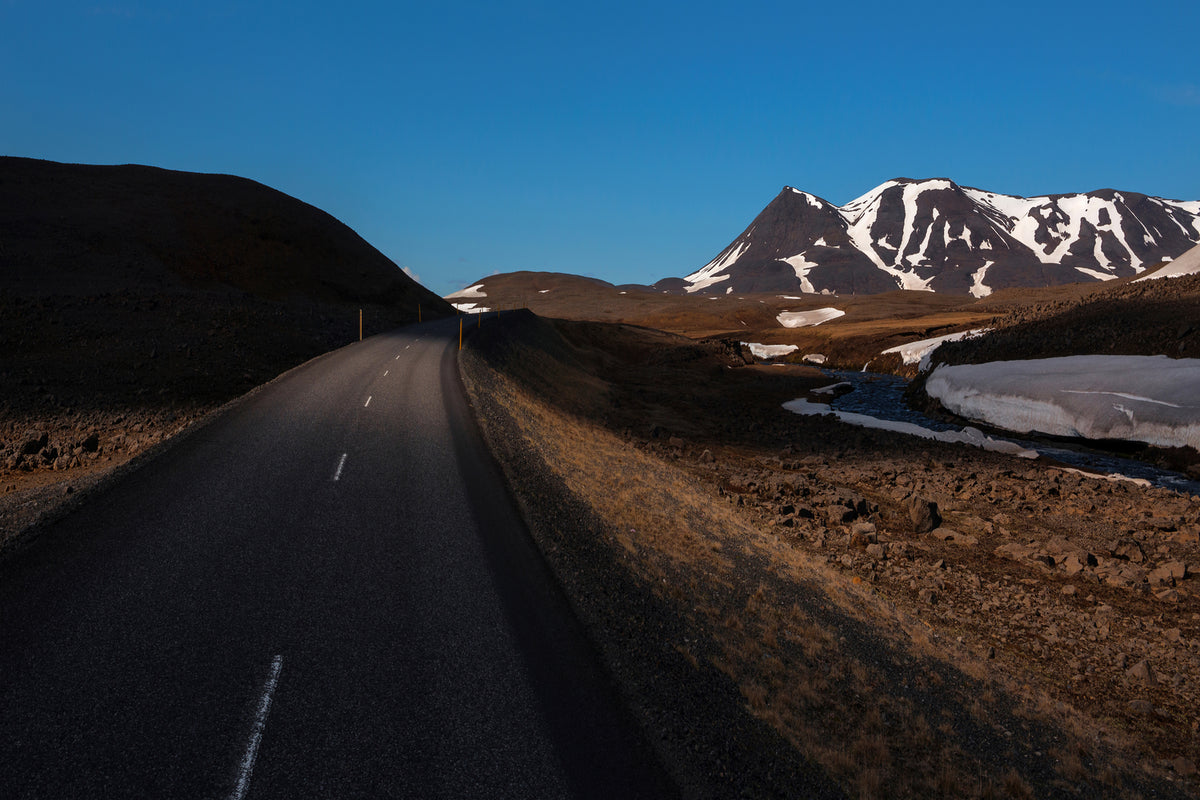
(326, 592)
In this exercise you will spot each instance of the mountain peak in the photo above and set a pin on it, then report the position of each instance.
(935, 235)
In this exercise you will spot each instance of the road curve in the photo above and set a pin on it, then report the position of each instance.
(324, 592)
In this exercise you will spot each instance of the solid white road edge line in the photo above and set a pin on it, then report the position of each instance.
(264, 706)
(337, 474)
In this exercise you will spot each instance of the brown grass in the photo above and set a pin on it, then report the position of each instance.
(844, 673)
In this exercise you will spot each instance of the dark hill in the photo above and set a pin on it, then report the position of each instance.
(85, 229)
(134, 300)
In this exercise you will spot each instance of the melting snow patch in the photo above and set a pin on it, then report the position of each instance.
(978, 287)
(802, 266)
(803, 319)
(1186, 264)
(770, 350)
(1152, 399)
(470, 308)
(970, 436)
(814, 358)
(833, 388)
(919, 352)
(709, 274)
(542, 291)
(470, 291)
(1097, 274)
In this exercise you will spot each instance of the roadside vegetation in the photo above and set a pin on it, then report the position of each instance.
(841, 610)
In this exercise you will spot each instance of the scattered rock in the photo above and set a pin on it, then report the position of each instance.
(840, 515)
(35, 443)
(862, 534)
(1143, 673)
(1140, 706)
(944, 534)
(1130, 551)
(922, 513)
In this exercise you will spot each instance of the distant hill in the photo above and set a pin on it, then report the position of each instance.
(80, 229)
(936, 235)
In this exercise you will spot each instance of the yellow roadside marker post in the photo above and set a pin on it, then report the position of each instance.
(460, 332)
(360, 324)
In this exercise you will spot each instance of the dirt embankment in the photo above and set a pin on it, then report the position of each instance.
(800, 602)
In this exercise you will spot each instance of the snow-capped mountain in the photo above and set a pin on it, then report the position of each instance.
(935, 235)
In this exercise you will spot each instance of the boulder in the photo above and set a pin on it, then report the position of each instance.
(1143, 673)
(34, 443)
(922, 513)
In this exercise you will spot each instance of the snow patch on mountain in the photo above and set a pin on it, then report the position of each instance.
(711, 273)
(802, 266)
(978, 287)
(470, 291)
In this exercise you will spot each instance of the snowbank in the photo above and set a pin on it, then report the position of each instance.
(770, 350)
(1151, 399)
(1186, 264)
(470, 291)
(970, 436)
(803, 319)
(814, 358)
(918, 352)
(470, 308)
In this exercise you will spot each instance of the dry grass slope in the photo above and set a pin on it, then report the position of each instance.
(863, 681)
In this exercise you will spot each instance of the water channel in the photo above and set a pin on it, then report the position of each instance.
(882, 396)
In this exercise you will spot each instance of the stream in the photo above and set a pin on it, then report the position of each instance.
(882, 396)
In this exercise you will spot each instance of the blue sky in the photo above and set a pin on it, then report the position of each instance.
(626, 141)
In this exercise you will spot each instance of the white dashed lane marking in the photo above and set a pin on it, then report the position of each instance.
(260, 719)
(368, 401)
(337, 474)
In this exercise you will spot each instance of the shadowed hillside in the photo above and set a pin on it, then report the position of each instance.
(134, 299)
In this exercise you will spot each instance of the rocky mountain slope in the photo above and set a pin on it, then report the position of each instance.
(936, 235)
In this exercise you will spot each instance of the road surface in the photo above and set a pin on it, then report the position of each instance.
(324, 592)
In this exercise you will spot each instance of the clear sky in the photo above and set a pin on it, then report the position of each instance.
(628, 141)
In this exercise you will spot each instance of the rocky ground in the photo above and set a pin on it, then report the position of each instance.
(917, 619)
(1086, 583)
